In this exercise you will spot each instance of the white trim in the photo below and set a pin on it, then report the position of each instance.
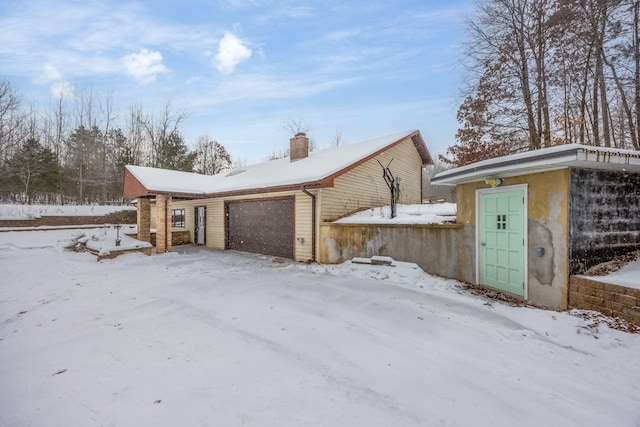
(543, 160)
(493, 190)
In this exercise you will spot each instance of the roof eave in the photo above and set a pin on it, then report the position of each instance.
(421, 146)
(415, 137)
(580, 156)
(273, 189)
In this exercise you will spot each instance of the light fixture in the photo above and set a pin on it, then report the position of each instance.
(494, 182)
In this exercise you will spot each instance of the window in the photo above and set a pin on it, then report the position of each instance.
(177, 218)
(502, 222)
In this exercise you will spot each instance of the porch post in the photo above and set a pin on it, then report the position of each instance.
(168, 231)
(161, 224)
(144, 219)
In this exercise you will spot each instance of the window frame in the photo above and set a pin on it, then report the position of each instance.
(178, 218)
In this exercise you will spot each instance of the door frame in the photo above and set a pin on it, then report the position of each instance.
(195, 225)
(508, 188)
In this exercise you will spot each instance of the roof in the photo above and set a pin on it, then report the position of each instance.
(543, 160)
(317, 170)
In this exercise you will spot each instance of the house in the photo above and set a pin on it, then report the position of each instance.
(534, 220)
(275, 207)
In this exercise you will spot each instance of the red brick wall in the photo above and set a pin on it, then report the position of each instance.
(611, 300)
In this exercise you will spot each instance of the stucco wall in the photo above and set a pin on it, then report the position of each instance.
(547, 228)
(435, 248)
(605, 216)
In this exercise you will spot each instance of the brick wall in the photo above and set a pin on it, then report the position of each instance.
(610, 300)
(144, 220)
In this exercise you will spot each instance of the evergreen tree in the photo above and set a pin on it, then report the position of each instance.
(174, 154)
(32, 170)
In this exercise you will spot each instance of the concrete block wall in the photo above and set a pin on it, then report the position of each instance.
(611, 300)
(604, 216)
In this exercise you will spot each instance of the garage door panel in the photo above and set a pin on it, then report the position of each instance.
(261, 226)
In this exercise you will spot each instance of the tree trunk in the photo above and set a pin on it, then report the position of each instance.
(636, 54)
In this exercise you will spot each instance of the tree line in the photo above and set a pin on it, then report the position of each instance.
(75, 152)
(549, 72)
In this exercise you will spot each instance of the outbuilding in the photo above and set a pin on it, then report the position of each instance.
(275, 207)
(534, 220)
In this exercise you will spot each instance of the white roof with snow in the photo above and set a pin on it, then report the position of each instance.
(543, 160)
(275, 173)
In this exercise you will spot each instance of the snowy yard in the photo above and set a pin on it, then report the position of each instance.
(201, 337)
(15, 211)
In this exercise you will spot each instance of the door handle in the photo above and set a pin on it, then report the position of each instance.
(483, 244)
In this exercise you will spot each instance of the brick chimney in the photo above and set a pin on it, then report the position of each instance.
(299, 146)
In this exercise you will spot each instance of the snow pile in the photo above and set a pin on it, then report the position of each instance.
(103, 241)
(17, 212)
(438, 213)
(628, 275)
(206, 337)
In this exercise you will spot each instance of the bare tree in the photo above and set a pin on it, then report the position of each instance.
(10, 118)
(296, 126)
(211, 158)
(338, 140)
(545, 72)
(159, 129)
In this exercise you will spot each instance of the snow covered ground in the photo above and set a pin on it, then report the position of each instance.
(437, 213)
(14, 212)
(628, 275)
(201, 337)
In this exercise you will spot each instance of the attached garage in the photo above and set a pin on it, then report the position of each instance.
(264, 226)
(276, 207)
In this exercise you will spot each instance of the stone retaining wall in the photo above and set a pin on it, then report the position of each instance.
(610, 300)
(121, 217)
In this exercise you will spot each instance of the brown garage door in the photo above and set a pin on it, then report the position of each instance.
(261, 226)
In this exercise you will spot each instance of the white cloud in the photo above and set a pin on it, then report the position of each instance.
(231, 52)
(145, 65)
(62, 90)
(49, 74)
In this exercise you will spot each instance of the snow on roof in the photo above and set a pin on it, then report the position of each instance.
(275, 173)
(545, 159)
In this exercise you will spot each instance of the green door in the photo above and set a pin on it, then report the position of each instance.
(502, 238)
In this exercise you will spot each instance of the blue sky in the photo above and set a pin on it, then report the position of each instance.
(244, 68)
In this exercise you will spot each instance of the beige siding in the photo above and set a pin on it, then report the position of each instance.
(304, 227)
(364, 186)
(189, 219)
(216, 220)
(215, 223)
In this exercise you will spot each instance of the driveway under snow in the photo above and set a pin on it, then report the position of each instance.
(202, 338)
